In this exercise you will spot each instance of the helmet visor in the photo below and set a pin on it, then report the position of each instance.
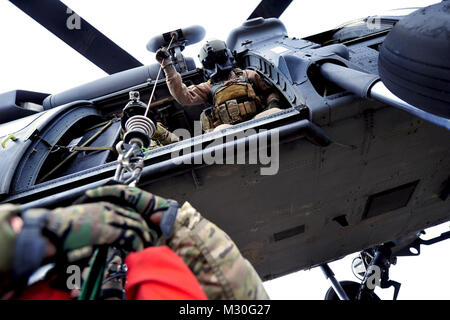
(215, 57)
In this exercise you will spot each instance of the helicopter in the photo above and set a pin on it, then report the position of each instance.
(363, 154)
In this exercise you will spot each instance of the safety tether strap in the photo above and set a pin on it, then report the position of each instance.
(75, 152)
(168, 218)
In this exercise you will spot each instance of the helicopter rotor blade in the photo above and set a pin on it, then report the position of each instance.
(60, 20)
(270, 9)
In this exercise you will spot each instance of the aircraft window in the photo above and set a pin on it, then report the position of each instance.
(301, 23)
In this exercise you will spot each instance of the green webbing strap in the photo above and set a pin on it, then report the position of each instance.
(91, 288)
(9, 137)
(146, 151)
(92, 149)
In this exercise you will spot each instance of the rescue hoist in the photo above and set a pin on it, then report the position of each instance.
(139, 130)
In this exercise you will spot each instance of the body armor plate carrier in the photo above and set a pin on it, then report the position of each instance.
(234, 101)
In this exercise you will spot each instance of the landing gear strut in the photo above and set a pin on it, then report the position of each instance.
(345, 290)
(372, 268)
(336, 285)
(376, 264)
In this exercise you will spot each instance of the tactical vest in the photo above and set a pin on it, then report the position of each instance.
(233, 100)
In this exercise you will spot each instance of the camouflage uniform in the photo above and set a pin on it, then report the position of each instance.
(207, 250)
(161, 138)
(7, 241)
(74, 232)
(210, 254)
(236, 95)
(164, 136)
(7, 236)
(214, 259)
(200, 94)
(96, 224)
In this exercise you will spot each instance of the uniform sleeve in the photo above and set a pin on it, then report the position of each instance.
(263, 86)
(214, 258)
(157, 273)
(192, 95)
(7, 242)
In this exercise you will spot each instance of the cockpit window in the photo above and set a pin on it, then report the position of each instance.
(318, 16)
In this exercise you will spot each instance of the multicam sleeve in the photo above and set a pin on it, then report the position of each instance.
(213, 257)
(7, 236)
(7, 242)
(164, 136)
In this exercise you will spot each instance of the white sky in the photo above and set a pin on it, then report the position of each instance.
(31, 58)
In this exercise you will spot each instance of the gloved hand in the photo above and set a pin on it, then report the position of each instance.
(156, 211)
(7, 236)
(163, 57)
(75, 231)
(95, 224)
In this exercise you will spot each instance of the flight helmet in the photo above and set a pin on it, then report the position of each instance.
(216, 59)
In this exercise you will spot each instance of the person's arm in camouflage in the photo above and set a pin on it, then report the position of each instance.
(192, 95)
(164, 136)
(214, 258)
(208, 251)
(10, 225)
(41, 235)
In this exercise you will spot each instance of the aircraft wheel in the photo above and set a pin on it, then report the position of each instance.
(351, 288)
(413, 61)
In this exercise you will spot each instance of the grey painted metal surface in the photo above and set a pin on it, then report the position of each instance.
(316, 185)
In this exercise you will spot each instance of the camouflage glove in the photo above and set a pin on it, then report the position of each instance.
(7, 236)
(75, 231)
(163, 57)
(158, 212)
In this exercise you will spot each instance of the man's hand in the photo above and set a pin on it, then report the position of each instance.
(72, 233)
(88, 225)
(8, 234)
(75, 231)
(163, 57)
(155, 210)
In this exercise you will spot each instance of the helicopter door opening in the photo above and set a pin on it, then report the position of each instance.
(77, 139)
(88, 143)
